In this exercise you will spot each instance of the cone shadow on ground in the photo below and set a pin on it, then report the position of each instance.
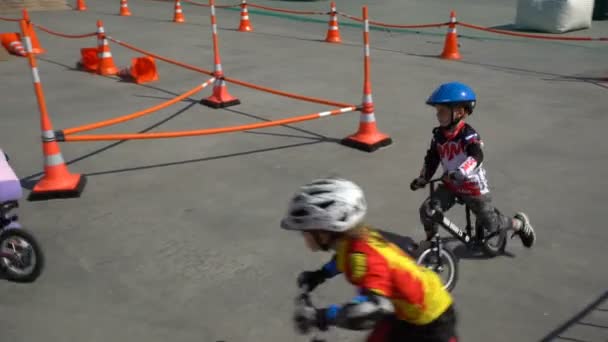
(30, 181)
(198, 160)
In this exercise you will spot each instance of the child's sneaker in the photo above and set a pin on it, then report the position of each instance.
(526, 232)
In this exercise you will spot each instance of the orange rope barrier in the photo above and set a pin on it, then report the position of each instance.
(527, 35)
(286, 94)
(287, 11)
(208, 131)
(377, 23)
(165, 59)
(207, 5)
(65, 35)
(228, 79)
(135, 115)
(9, 19)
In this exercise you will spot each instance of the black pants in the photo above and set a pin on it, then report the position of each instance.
(443, 329)
(481, 206)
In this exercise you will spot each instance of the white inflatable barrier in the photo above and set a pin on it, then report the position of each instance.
(554, 16)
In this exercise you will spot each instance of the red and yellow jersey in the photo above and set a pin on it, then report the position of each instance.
(377, 265)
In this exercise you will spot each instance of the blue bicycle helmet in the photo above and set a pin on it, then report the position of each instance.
(453, 93)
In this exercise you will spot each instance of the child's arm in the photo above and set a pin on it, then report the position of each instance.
(361, 313)
(431, 161)
(474, 154)
(312, 279)
(330, 269)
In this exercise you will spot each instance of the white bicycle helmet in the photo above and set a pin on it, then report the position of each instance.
(332, 204)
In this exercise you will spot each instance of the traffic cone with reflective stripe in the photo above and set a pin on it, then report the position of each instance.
(106, 62)
(245, 25)
(450, 48)
(36, 48)
(57, 181)
(178, 16)
(220, 97)
(333, 33)
(80, 5)
(124, 8)
(368, 137)
(12, 43)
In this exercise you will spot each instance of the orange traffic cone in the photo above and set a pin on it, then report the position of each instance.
(80, 5)
(142, 70)
(178, 17)
(124, 8)
(89, 59)
(12, 43)
(36, 48)
(245, 25)
(450, 48)
(368, 138)
(106, 62)
(333, 33)
(220, 98)
(57, 181)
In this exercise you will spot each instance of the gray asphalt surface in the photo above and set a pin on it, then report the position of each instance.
(178, 239)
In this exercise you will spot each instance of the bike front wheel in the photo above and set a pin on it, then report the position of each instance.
(21, 257)
(445, 265)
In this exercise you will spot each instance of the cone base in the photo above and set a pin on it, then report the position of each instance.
(245, 29)
(108, 71)
(215, 102)
(367, 142)
(179, 21)
(452, 56)
(70, 187)
(125, 14)
(335, 40)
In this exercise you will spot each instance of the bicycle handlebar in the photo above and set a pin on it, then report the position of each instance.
(304, 298)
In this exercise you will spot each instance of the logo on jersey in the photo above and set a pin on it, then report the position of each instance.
(358, 265)
(449, 150)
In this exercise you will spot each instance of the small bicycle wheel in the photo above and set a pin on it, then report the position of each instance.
(27, 259)
(494, 243)
(446, 266)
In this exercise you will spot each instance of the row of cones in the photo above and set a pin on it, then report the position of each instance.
(450, 50)
(124, 7)
(126, 12)
(58, 181)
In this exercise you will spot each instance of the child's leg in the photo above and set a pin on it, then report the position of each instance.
(446, 200)
(493, 219)
(486, 213)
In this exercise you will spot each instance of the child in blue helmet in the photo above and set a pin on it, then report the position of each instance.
(458, 147)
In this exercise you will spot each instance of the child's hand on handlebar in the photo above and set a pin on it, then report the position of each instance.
(418, 183)
(307, 317)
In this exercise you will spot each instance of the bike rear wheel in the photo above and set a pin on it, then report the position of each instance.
(494, 243)
(26, 260)
(446, 266)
